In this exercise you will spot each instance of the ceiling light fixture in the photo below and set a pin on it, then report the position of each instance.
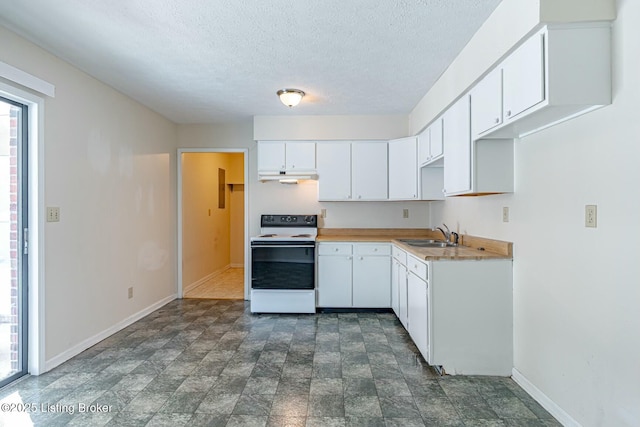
(290, 97)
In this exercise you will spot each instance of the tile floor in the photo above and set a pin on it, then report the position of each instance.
(212, 363)
(229, 284)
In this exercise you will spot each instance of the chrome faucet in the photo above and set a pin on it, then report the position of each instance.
(446, 234)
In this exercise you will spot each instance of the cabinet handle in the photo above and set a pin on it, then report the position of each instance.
(361, 258)
(375, 249)
(359, 197)
(336, 249)
(497, 120)
(508, 113)
(293, 166)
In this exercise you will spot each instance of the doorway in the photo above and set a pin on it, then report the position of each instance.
(212, 224)
(13, 235)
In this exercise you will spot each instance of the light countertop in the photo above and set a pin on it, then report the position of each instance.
(471, 247)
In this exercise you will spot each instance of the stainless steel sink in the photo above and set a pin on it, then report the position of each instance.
(427, 243)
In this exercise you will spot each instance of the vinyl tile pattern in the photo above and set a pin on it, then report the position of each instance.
(228, 284)
(213, 363)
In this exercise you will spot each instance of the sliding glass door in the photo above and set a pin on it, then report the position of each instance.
(13, 240)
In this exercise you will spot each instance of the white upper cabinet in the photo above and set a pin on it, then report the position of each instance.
(403, 169)
(369, 172)
(300, 156)
(523, 73)
(430, 143)
(483, 166)
(334, 170)
(436, 146)
(457, 148)
(352, 170)
(486, 103)
(271, 156)
(286, 156)
(558, 73)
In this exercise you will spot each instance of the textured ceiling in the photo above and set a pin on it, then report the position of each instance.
(204, 61)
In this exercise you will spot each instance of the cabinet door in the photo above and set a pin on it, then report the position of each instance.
(301, 156)
(402, 295)
(486, 103)
(395, 288)
(457, 147)
(334, 170)
(369, 170)
(417, 296)
(271, 156)
(436, 146)
(523, 77)
(372, 281)
(403, 169)
(424, 149)
(334, 281)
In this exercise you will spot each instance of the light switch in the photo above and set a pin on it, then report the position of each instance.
(53, 214)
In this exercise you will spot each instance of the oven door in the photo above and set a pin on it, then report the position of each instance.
(282, 265)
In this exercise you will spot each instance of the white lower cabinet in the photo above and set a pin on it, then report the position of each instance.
(418, 304)
(459, 313)
(399, 285)
(354, 275)
(334, 275)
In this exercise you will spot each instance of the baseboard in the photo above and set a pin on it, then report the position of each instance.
(89, 342)
(199, 282)
(205, 279)
(548, 404)
(236, 265)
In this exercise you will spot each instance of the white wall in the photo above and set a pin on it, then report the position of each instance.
(293, 128)
(273, 197)
(109, 165)
(576, 290)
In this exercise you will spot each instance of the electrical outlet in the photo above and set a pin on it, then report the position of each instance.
(323, 213)
(505, 214)
(405, 213)
(130, 292)
(591, 216)
(53, 214)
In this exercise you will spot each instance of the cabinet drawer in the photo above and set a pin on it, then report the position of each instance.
(399, 254)
(372, 249)
(334, 249)
(418, 267)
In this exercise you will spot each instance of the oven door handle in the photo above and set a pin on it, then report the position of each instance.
(282, 246)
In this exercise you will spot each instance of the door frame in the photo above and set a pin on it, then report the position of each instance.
(245, 151)
(35, 256)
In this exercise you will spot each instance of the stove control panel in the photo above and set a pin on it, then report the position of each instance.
(289, 220)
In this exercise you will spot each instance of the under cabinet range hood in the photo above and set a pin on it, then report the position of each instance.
(287, 178)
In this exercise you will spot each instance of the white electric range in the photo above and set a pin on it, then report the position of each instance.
(283, 264)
